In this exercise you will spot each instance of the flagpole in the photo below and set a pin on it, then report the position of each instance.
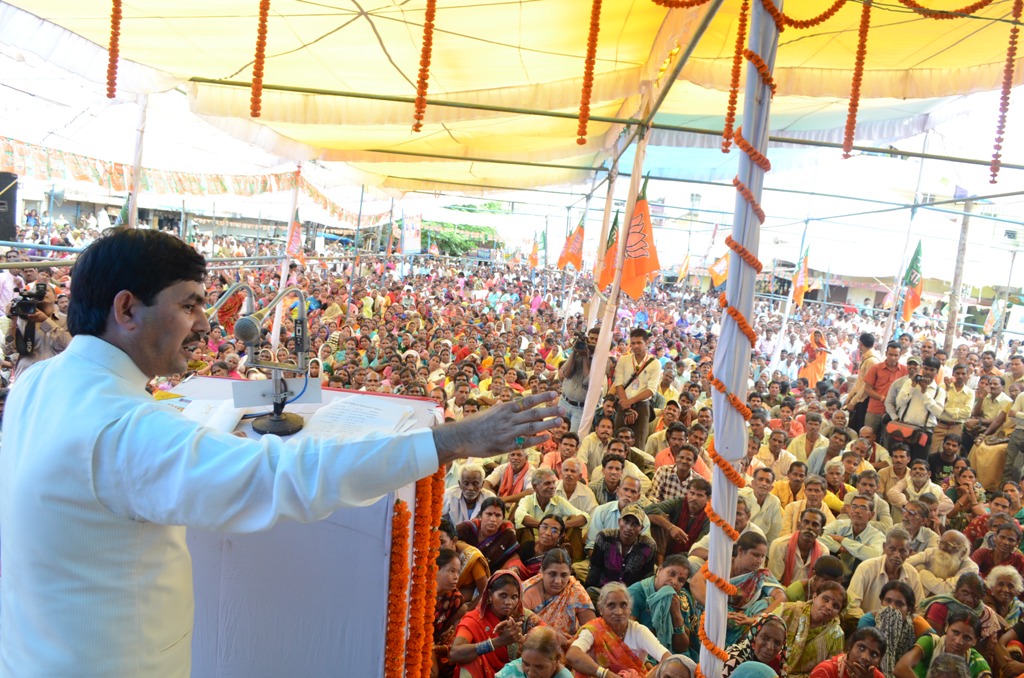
(602, 243)
(355, 253)
(133, 197)
(890, 325)
(777, 351)
(275, 333)
(604, 340)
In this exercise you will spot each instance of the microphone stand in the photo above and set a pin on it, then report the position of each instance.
(278, 422)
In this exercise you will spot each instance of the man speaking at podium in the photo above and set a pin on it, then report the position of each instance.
(94, 501)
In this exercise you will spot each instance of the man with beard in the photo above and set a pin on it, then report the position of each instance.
(462, 502)
(864, 592)
(940, 567)
(681, 522)
(915, 517)
(792, 558)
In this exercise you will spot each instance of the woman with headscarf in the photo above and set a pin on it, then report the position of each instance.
(815, 354)
(490, 635)
(968, 596)
(542, 657)
(663, 604)
(960, 638)
(897, 621)
(765, 642)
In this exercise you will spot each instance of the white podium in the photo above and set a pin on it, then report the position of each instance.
(301, 601)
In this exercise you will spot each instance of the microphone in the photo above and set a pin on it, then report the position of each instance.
(247, 328)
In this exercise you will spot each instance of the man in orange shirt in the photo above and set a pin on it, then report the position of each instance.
(877, 382)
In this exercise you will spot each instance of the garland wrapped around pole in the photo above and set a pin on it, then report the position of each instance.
(427, 621)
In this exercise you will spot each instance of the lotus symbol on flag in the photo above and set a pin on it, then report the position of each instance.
(636, 240)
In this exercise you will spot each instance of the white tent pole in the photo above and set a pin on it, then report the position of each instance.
(604, 340)
(732, 360)
(133, 197)
(275, 334)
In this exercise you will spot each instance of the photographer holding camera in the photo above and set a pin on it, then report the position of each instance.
(575, 373)
(918, 404)
(40, 332)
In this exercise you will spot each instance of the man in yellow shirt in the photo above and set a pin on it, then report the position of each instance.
(791, 488)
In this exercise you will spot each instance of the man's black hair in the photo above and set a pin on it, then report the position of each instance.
(142, 262)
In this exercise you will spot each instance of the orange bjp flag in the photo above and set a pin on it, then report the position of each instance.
(606, 275)
(532, 261)
(641, 255)
(572, 253)
(719, 270)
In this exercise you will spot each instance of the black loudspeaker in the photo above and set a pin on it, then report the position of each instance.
(8, 206)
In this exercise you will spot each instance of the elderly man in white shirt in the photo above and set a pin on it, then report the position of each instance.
(572, 490)
(543, 501)
(874, 573)
(940, 567)
(462, 502)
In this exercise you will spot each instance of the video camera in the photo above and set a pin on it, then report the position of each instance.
(27, 302)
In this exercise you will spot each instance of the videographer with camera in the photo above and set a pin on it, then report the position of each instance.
(39, 330)
(575, 373)
(919, 402)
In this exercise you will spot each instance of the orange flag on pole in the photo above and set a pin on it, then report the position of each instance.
(532, 261)
(801, 282)
(719, 270)
(606, 275)
(684, 268)
(572, 253)
(913, 283)
(641, 255)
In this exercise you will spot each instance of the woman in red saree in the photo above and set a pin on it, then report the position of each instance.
(816, 354)
(448, 610)
(613, 645)
(489, 636)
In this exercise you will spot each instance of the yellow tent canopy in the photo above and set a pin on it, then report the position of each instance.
(505, 78)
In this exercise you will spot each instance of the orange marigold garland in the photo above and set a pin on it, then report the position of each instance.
(762, 68)
(588, 73)
(424, 76)
(256, 94)
(427, 621)
(419, 639)
(1004, 97)
(728, 469)
(734, 83)
(398, 592)
(113, 49)
(680, 4)
(946, 14)
(814, 21)
(858, 77)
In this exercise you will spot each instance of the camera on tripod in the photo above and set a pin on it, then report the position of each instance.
(27, 302)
